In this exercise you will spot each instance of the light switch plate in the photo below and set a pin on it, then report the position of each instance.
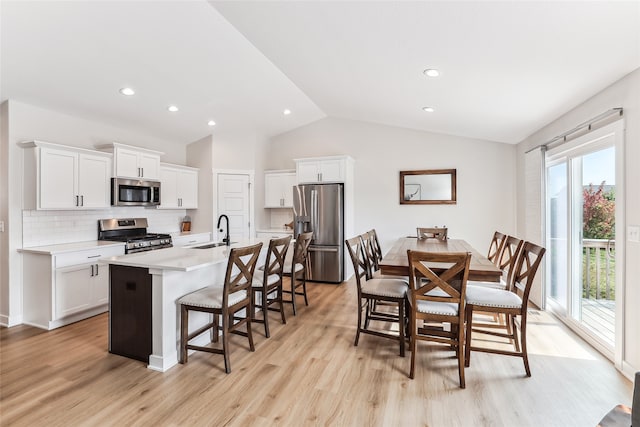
(633, 233)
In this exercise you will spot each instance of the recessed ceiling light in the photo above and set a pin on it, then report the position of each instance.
(431, 72)
(172, 108)
(211, 123)
(286, 112)
(428, 109)
(127, 91)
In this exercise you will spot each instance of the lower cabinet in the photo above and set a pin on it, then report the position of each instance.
(63, 288)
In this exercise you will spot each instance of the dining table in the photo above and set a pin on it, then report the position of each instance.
(396, 263)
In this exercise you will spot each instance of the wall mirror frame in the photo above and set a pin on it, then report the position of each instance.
(428, 187)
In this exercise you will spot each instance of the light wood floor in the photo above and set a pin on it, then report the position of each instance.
(307, 373)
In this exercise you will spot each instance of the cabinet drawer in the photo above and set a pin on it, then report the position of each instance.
(87, 256)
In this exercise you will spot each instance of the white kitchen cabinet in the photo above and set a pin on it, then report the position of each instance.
(61, 288)
(134, 162)
(323, 169)
(278, 189)
(61, 177)
(179, 187)
(188, 239)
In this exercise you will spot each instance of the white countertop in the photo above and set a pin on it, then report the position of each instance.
(181, 258)
(70, 247)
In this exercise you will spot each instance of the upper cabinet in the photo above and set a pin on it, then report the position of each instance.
(323, 169)
(278, 189)
(178, 187)
(61, 177)
(134, 162)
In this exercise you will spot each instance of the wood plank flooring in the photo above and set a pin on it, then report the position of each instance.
(307, 373)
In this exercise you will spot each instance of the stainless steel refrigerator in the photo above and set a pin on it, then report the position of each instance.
(320, 208)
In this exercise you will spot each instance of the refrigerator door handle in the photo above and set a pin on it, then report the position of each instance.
(314, 211)
(312, 249)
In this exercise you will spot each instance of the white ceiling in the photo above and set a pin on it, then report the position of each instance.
(508, 68)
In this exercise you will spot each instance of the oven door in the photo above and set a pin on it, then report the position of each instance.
(131, 192)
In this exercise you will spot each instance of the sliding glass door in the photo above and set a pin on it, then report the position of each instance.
(582, 204)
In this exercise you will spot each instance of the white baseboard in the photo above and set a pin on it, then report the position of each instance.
(8, 321)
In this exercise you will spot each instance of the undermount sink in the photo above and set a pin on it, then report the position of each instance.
(210, 245)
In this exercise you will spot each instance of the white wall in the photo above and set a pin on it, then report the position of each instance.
(238, 152)
(485, 172)
(23, 122)
(624, 93)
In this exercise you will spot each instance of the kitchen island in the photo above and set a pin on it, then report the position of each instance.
(156, 280)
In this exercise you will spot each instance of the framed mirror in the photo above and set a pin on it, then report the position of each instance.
(428, 187)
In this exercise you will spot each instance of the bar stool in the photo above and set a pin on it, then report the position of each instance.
(297, 269)
(267, 281)
(224, 301)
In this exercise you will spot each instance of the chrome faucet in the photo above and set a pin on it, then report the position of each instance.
(226, 239)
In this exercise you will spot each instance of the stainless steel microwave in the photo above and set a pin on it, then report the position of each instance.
(133, 192)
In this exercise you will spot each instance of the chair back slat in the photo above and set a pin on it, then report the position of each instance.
(496, 247)
(355, 247)
(525, 270)
(508, 257)
(240, 269)
(301, 248)
(368, 240)
(432, 233)
(446, 272)
(274, 263)
(376, 247)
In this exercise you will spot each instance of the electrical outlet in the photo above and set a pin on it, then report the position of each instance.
(633, 233)
(1, 226)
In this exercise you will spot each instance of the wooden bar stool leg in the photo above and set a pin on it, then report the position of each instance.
(401, 326)
(184, 332)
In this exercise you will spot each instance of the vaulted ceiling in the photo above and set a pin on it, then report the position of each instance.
(507, 68)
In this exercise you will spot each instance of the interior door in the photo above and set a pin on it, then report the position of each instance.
(234, 201)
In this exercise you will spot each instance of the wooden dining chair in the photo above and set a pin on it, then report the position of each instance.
(267, 282)
(437, 298)
(297, 270)
(495, 247)
(432, 233)
(372, 290)
(512, 302)
(224, 303)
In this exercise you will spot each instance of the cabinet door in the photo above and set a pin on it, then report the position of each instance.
(58, 179)
(168, 188)
(127, 163)
(288, 182)
(332, 170)
(272, 190)
(100, 284)
(149, 165)
(94, 181)
(188, 189)
(307, 171)
(72, 290)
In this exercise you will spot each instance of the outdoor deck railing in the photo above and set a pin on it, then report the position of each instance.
(594, 278)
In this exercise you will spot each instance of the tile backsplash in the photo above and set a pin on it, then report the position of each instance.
(41, 228)
(280, 217)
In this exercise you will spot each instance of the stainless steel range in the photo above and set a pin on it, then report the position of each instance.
(133, 231)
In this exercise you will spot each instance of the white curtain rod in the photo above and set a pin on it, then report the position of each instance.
(581, 126)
